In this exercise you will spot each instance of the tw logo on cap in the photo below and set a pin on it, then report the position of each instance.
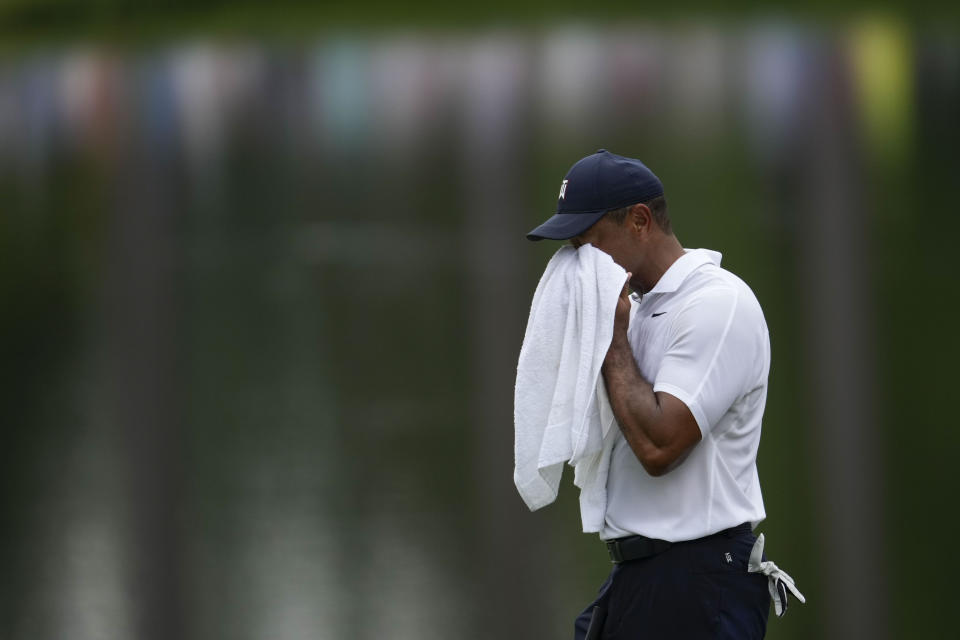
(563, 189)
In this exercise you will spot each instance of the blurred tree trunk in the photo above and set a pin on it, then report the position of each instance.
(835, 254)
(510, 550)
(141, 312)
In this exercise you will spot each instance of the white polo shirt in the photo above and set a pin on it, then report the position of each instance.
(699, 335)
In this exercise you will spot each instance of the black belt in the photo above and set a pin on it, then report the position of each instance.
(639, 547)
(635, 548)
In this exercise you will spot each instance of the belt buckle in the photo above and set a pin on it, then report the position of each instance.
(613, 548)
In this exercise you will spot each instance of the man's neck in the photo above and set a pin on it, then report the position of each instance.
(663, 254)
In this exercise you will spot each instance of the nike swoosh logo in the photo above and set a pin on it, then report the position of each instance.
(658, 314)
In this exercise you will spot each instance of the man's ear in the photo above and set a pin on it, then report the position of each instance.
(640, 218)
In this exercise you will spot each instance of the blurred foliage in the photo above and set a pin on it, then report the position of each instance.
(133, 21)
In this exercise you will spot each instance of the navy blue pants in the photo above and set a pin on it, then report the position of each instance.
(697, 589)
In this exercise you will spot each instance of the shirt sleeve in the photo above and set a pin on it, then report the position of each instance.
(710, 356)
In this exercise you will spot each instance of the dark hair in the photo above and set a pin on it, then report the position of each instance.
(657, 206)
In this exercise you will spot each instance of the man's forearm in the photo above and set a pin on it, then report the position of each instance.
(635, 406)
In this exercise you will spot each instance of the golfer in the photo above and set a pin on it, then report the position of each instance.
(686, 375)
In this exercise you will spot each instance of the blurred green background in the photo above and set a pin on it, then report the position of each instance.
(263, 283)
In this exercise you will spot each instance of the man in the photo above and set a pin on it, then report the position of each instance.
(686, 374)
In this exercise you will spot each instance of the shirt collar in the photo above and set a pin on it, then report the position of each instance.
(690, 261)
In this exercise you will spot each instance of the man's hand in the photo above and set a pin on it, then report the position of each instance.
(621, 318)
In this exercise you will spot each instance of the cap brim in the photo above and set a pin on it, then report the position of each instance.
(563, 226)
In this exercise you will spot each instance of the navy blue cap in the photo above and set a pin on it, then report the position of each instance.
(594, 185)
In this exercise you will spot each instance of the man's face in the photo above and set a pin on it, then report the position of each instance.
(611, 238)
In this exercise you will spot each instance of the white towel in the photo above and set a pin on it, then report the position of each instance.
(561, 410)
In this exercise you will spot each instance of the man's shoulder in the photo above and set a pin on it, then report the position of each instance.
(712, 280)
(713, 276)
(713, 284)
